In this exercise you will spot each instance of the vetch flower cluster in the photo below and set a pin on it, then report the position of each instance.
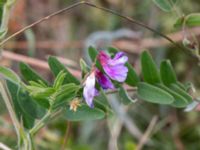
(114, 69)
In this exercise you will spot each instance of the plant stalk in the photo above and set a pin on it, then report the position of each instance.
(40, 124)
(9, 106)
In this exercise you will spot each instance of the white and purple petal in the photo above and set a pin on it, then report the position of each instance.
(89, 91)
(119, 59)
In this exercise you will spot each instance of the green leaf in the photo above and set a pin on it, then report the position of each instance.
(92, 53)
(43, 102)
(59, 80)
(29, 74)
(125, 98)
(84, 68)
(153, 94)
(167, 73)
(13, 91)
(29, 106)
(165, 5)
(27, 120)
(38, 84)
(132, 78)
(100, 105)
(149, 69)
(179, 101)
(190, 20)
(9, 75)
(56, 66)
(84, 113)
(103, 97)
(180, 91)
(66, 93)
(182, 86)
(113, 50)
(40, 93)
(101, 101)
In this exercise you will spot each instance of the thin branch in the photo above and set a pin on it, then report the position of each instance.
(67, 134)
(132, 21)
(41, 20)
(95, 6)
(147, 133)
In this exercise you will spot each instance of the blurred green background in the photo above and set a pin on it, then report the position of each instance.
(69, 34)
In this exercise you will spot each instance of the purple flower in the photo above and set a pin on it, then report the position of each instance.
(104, 80)
(89, 91)
(115, 68)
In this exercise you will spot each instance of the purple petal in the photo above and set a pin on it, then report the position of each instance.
(118, 72)
(103, 80)
(115, 68)
(103, 58)
(120, 58)
(89, 90)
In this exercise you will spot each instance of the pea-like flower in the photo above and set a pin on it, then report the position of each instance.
(114, 67)
(89, 91)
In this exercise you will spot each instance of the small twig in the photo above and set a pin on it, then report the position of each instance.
(95, 6)
(67, 134)
(147, 133)
(40, 20)
(132, 21)
(4, 147)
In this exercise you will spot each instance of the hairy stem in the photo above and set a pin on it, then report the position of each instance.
(40, 124)
(9, 106)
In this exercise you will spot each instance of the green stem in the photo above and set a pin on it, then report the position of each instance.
(26, 142)
(9, 106)
(5, 17)
(40, 124)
